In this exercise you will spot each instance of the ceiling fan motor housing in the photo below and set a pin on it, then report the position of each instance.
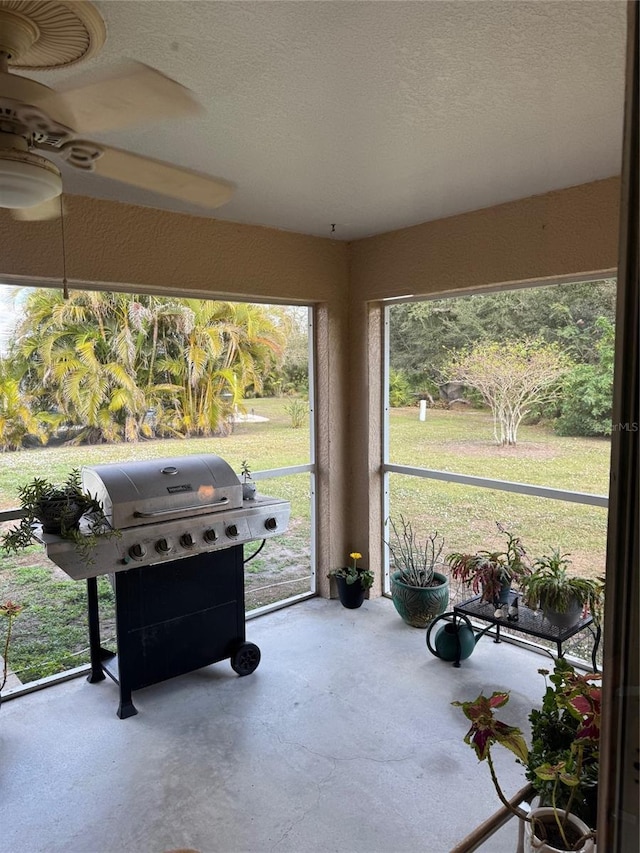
(46, 34)
(17, 35)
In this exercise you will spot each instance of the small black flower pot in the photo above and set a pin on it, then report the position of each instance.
(351, 594)
(56, 514)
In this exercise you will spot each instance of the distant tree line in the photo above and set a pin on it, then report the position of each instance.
(427, 339)
(118, 367)
(290, 377)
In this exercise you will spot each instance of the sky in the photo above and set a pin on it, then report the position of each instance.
(8, 311)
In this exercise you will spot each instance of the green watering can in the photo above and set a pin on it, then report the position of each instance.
(455, 639)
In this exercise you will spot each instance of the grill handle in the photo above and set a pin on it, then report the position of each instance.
(156, 513)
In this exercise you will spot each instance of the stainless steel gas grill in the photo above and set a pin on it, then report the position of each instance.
(176, 565)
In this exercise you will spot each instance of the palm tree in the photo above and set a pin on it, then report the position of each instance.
(226, 348)
(17, 421)
(81, 356)
(104, 360)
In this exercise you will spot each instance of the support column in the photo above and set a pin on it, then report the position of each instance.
(333, 405)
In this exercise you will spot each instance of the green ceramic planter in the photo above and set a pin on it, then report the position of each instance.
(418, 605)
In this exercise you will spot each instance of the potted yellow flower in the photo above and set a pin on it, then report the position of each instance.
(352, 582)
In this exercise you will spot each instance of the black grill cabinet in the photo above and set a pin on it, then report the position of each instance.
(172, 618)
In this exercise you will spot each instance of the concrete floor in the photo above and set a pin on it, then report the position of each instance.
(344, 740)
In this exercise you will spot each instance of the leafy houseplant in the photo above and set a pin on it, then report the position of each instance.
(563, 761)
(58, 508)
(9, 610)
(491, 572)
(248, 486)
(559, 736)
(561, 596)
(418, 590)
(352, 582)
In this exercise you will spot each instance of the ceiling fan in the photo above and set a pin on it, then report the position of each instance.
(39, 34)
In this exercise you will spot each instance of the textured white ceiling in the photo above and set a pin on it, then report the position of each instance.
(372, 115)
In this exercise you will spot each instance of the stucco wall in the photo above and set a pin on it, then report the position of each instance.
(118, 244)
(564, 233)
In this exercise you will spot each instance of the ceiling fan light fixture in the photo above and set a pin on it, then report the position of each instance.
(27, 179)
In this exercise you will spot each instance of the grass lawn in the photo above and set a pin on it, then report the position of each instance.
(51, 633)
(462, 441)
(272, 444)
(466, 516)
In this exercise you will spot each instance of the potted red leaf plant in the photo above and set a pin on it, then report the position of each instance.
(562, 764)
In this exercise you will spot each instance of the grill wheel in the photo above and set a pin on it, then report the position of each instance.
(245, 659)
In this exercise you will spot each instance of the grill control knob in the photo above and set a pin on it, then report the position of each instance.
(186, 540)
(162, 546)
(231, 531)
(137, 551)
(210, 535)
(271, 523)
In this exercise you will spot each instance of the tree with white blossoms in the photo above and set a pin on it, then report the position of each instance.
(511, 376)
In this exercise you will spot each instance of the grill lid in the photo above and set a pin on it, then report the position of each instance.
(155, 490)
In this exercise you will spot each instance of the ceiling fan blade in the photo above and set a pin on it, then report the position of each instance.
(164, 178)
(137, 94)
(49, 209)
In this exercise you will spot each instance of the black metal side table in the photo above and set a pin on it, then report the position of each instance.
(530, 622)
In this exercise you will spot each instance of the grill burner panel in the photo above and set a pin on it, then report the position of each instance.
(172, 540)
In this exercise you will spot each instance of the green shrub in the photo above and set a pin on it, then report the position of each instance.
(297, 410)
(586, 409)
(588, 391)
(399, 389)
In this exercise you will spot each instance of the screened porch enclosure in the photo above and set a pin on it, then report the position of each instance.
(348, 286)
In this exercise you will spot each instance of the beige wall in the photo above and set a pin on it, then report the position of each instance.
(117, 244)
(567, 233)
(564, 233)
